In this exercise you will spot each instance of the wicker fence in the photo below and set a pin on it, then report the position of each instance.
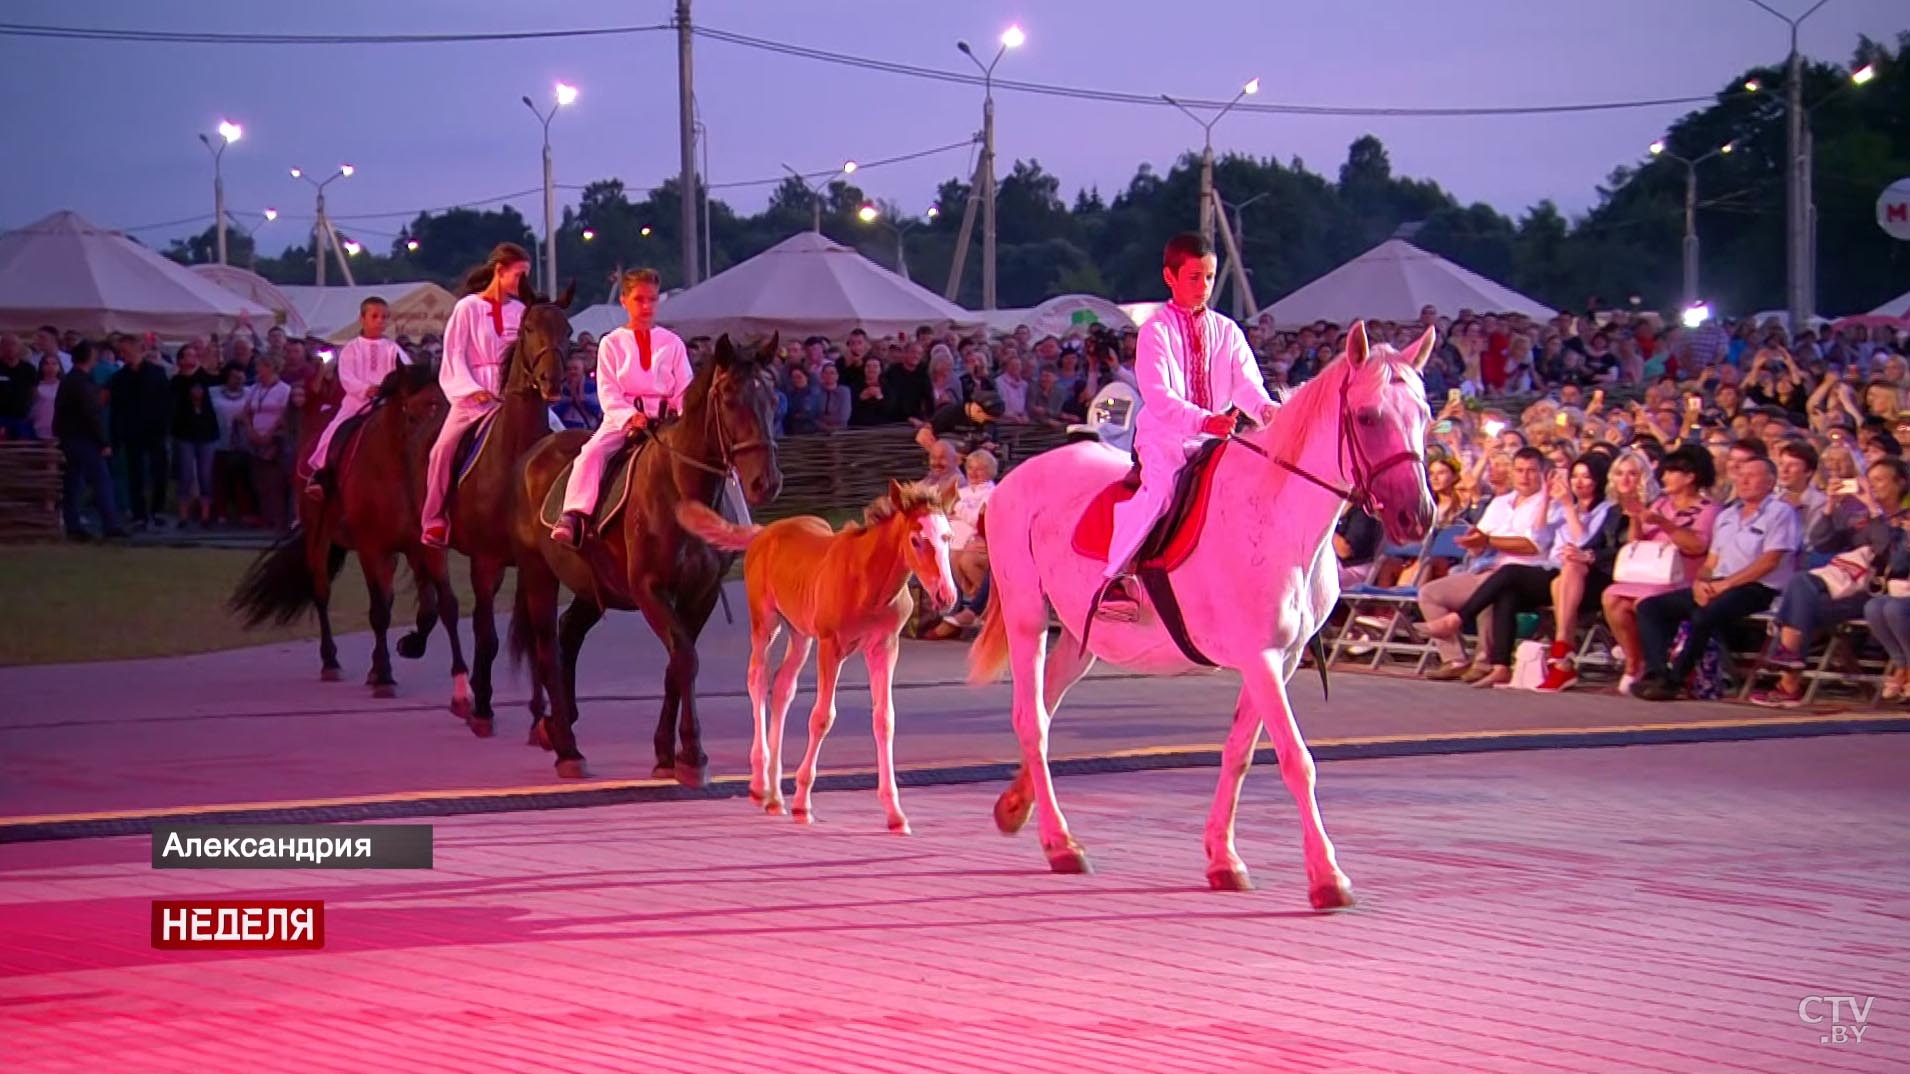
(847, 469)
(29, 490)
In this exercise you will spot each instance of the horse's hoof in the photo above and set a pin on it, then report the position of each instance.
(773, 806)
(1070, 860)
(1012, 810)
(663, 771)
(331, 674)
(900, 826)
(572, 768)
(480, 727)
(802, 815)
(540, 735)
(693, 776)
(1335, 896)
(1229, 880)
(384, 690)
(411, 646)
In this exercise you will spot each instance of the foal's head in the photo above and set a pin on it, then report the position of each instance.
(1384, 418)
(922, 510)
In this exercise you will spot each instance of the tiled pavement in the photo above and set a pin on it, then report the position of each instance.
(1641, 909)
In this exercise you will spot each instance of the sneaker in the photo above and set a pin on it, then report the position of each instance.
(1780, 657)
(569, 530)
(1558, 677)
(436, 535)
(1628, 683)
(1449, 672)
(1778, 698)
(1658, 690)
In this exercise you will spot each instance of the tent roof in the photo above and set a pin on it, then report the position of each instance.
(1896, 307)
(1059, 316)
(256, 288)
(64, 271)
(417, 307)
(808, 285)
(1392, 282)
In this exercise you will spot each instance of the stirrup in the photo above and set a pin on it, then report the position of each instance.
(1116, 601)
(436, 535)
(569, 530)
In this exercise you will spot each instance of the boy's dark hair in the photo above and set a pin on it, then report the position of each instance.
(370, 302)
(1694, 460)
(1184, 247)
(1752, 446)
(1802, 451)
(1534, 454)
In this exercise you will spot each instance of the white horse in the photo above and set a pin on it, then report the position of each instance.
(1254, 591)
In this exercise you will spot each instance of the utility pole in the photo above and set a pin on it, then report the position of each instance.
(1207, 204)
(686, 140)
(967, 232)
(1010, 38)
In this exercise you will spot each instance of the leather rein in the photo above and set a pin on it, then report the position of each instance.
(1349, 451)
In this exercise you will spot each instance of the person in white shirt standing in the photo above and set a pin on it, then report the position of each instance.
(1514, 529)
(362, 367)
(477, 337)
(642, 372)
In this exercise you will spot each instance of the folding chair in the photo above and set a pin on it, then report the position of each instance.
(1399, 605)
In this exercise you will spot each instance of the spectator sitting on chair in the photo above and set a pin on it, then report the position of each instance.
(1510, 531)
(1753, 555)
(1797, 463)
(577, 406)
(968, 550)
(1862, 537)
(1683, 516)
(1582, 529)
(1889, 613)
(1356, 541)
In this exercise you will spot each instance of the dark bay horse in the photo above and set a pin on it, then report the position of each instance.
(481, 508)
(373, 512)
(644, 562)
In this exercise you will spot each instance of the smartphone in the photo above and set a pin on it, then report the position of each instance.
(1441, 428)
(1563, 420)
(1598, 397)
(1847, 487)
(1694, 404)
(1452, 396)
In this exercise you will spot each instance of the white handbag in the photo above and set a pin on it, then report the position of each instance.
(1845, 575)
(1650, 563)
(1529, 661)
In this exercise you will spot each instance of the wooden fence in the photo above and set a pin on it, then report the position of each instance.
(848, 468)
(29, 490)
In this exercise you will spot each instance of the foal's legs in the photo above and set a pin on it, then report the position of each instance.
(1266, 689)
(1225, 870)
(881, 654)
(777, 712)
(821, 718)
(1066, 664)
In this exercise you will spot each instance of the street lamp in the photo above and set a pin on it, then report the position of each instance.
(229, 132)
(411, 246)
(1207, 153)
(566, 95)
(644, 231)
(589, 234)
(815, 191)
(266, 216)
(869, 214)
(1797, 176)
(1013, 37)
(322, 232)
(1691, 210)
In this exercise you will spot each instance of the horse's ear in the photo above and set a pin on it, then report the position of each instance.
(895, 494)
(1356, 344)
(725, 351)
(570, 293)
(1423, 348)
(767, 353)
(949, 499)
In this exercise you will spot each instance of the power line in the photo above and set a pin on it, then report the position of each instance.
(1152, 100)
(861, 166)
(169, 37)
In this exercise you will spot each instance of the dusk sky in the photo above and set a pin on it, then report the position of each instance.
(110, 130)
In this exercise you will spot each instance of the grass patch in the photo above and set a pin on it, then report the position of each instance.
(68, 603)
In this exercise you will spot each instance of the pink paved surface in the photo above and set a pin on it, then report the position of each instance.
(1643, 909)
(257, 725)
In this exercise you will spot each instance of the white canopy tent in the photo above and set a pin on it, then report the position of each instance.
(1896, 307)
(1392, 282)
(331, 313)
(807, 285)
(68, 273)
(598, 320)
(256, 288)
(1059, 315)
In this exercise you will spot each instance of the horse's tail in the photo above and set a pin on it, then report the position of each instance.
(278, 586)
(713, 528)
(988, 656)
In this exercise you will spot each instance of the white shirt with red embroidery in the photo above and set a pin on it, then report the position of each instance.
(476, 339)
(625, 385)
(1188, 366)
(363, 365)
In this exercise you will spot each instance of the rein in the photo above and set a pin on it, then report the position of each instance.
(727, 453)
(1349, 451)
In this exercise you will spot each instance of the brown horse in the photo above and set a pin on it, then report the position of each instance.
(373, 513)
(481, 508)
(646, 561)
(848, 590)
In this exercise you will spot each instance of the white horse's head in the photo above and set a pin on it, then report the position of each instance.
(1384, 418)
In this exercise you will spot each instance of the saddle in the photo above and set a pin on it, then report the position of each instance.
(1174, 537)
(610, 495)
(471, 447)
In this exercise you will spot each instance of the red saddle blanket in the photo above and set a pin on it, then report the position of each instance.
(1184, 519)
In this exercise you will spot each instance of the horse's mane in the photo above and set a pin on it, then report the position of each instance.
(916, 496)
(1314, 406)
(406, 379)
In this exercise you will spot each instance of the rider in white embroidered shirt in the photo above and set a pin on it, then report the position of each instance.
(477, 337)
(1192, 365)
(641, 371)
(363, 365)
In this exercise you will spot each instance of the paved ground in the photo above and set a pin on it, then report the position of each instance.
(256, 725)
(1642, 909)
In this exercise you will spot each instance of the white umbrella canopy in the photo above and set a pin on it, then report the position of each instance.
(807, 285)
(1392, 282)
(65, 272)
(417, 308)
(256, 288)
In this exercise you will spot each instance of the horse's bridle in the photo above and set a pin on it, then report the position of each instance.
(1349, 450)
(727, 452)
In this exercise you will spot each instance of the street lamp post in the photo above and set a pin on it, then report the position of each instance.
(265, 217)
(1796, 245)
(1244, 304)
(1010, 38)
(322, 232)
(815, 190)
(1691, 211)
(1207, 153)
(229, 132)
(565, 95)
(869, 214)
